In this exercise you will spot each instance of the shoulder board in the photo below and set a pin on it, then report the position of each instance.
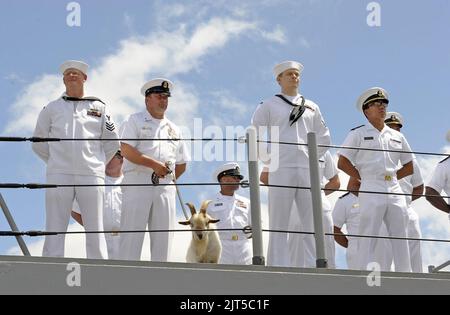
(309, 107)
(346, 194)
(448, 157)
(357, 127)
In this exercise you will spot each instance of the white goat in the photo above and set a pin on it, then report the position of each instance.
(205, 246)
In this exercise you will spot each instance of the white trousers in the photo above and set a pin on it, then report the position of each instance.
(297, 248)
(281, 201)
(236, 252)
(59, 203)
(377, 208)
(414, 246)
(382, 255)
(152, 205)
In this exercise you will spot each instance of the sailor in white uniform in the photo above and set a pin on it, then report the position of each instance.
(148, 162)
(112, 205)
(330, 180)
(440, 181)
(347, 212)
(379, 171)
(294, 116)
(233, 211)
(412, 185)
(75, 162)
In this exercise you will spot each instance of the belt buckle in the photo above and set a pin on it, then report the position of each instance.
(234, 237)
(388, 178)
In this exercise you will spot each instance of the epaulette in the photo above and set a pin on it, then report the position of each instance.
(357, 127)
(346, 194)
(448, 157)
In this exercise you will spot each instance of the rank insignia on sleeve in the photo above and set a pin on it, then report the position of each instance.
(110, 126)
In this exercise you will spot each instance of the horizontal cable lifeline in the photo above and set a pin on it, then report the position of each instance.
(357, 148)
(244, 184)
(39, 139)
(241, 140)
(246, 230)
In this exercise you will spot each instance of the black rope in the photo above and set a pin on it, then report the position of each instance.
(356, 148)
(362, 236)
(243, 184)
(245, 230)
(40, 139)
(356, 191)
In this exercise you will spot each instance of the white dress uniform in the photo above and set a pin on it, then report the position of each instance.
(293, 169)
(75, 162)
(154, 205)
(297, 248)
(111, 214)
(413, 228)
(378, 173)
(347, 212)
(233, 213)
(440, 181)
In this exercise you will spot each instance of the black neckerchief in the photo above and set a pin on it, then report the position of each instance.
(297, 111)
(77, 99)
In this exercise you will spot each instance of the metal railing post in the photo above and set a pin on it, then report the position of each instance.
(13, 226)
(255, 200)
(321, 261)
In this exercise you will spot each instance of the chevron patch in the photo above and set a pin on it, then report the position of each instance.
(110, 126)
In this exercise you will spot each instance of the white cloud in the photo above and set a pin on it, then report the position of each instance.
(277, 35)
(118, 77)
(14, 78)
(76, 245)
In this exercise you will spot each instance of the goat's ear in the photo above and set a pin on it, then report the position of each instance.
(214, 220)
(185, 222)
(191, 206)
(204, 206)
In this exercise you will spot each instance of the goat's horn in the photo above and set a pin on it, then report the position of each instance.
(191, 206)
(204, 206)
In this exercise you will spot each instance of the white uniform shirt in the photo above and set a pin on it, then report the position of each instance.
(346, 211)
(143, 126)
(327, 169)
(376, 164)
(440, 181)
(233, 213)
(76, 119)
(410, 182)
(275, 112)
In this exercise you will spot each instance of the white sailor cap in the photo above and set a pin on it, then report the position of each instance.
(372, 94)
(228, 169)
(448, 136)
(394, 118)
(286, 65)
(158, 85)
(74, 64)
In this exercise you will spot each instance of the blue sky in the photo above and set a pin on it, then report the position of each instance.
(220, 57)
